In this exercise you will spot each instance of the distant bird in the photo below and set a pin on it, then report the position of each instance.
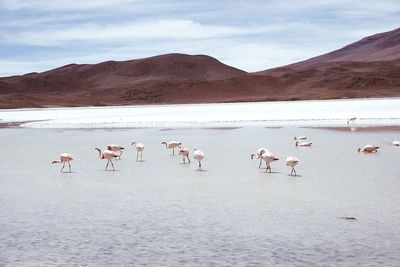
(396, 143)
(64, 157)
(172, 144)
(302, 144)
(108, 155)
(368, 149)
(291, 162)
(198, 155)
(353, 119)
(349, 218)
(268, 157)
(260, 151)
(300, 138)
(116, 148)
(139, 149)
(184, 153)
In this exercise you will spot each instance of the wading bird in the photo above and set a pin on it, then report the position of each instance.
(139, 149)
(108, 155)
(302, 144)
(291, 162)
(198, 155)
(396, 143)
(172, 144)
(368, 149)
(64, 157)
(300, 138)
(258, 155)
(351, 120)
(268, 157)
(116, 148)
(184, 153)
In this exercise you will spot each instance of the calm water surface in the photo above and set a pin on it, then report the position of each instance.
(162, 213)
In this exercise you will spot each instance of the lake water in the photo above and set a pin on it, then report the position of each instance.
(162, 213)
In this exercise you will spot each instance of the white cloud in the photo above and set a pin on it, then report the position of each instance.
(61, 4)
(161, 29)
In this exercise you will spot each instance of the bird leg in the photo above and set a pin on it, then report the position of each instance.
(119, 157)
(188, 158)
(69, 165)
(141, 155)
(63, 166)
(199, 164)
(108, 161)
(173, 151)
(259, 166)
(294, 172)
(184, 161)
(137, 155)
(112, 164)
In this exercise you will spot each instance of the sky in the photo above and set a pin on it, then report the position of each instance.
(253, 35)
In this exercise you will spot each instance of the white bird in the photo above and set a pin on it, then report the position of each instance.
(198, 155)
(108, 155)
(300, 138)
(291, 162)
(184, 153)
(396, 143)
(116, 148)
(353, 119)
(302, 144)
(268, 157)
(260, 151)
(172, 144)
(368, 149)
(139, 149)
(64, 157)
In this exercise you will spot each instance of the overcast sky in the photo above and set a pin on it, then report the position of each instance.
(37, 35)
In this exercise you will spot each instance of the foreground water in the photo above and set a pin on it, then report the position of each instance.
(162, 213)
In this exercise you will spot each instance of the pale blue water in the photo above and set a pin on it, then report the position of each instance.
(162, 213)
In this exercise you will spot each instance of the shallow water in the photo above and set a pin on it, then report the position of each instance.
(162, 213)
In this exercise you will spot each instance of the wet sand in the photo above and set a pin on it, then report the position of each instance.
(161, 212)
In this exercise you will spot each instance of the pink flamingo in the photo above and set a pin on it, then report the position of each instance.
(198, 155)
(291, 162)
(260, 151)
(268, 157)
(139, 149)
(116, 148)
(64, 157)
(108, 155)
(172, 144)
(184, 153)
(302, 144)
(368, 149)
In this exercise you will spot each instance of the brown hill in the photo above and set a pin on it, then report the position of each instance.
(367, 68)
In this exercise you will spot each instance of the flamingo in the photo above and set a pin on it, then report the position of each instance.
(260, 151)
(300, 138)
(139, 149)
(172, 144)
(302, 144)
(291, 162)
(108, 155)
(368, 149)
(198, 155)
(353, 119)
(116, 148)
(184, 153)
(396, 143)
(268, 157)
(64, 157)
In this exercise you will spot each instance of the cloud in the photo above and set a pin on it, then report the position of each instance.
(130, 32)
(47, 5)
